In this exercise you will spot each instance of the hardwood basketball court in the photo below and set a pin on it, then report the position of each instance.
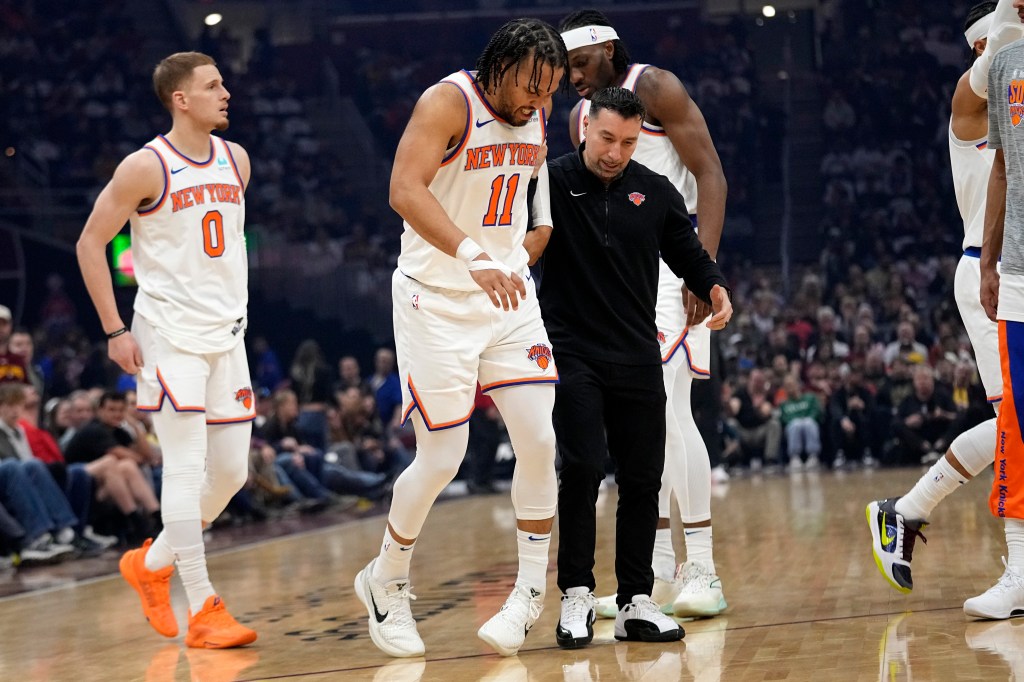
(805, 602)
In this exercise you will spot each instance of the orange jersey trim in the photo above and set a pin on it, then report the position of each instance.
(191, 162)
(431, 426)
(235, 420)
(167, 183)
(480, 94)
(508, 383)
(234, 166)
(174, 402)
(454, 153)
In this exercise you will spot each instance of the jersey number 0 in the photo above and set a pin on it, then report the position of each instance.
(213, 234)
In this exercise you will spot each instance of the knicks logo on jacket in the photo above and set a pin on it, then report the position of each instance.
(1015, 99)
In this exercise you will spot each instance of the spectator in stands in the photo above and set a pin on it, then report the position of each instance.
(906, 346)
(800, 414)
(924, 421)
(387, 387)
(21, 344)
(80, 412)
(311, 384)
(42, 507)
(266, 367)
(106, 450)
(850, 420)
(12, 365)
(350, 376)
(827, 337)
(759, 430)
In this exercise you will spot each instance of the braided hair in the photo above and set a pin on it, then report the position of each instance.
(591, 17)
(514, 42)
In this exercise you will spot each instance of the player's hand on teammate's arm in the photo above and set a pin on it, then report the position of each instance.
(542, 155)
(990, 292)
(722, 307)
(124, 351)
(503, 290)
(696, 309)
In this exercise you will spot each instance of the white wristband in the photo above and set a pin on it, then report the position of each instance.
(468, 250)
(490, 265)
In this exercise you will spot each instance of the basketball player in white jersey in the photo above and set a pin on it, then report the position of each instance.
(465, 311)
(184, 195)
(675, 142)
(896, 522)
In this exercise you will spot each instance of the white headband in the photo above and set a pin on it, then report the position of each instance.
(978, 30)
(588, 35)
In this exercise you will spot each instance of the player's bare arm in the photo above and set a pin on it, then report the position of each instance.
(969, 112)
(992, 241)
(574, 127)
(436, 125)
(670, 106)
(138, 180)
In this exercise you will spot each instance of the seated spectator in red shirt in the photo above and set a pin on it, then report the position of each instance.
(12, 365)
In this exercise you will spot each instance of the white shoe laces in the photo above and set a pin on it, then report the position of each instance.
(399, 606)
(1010, 580)
(522, 603)
(575, 607)
(646, 608)
(694, 578)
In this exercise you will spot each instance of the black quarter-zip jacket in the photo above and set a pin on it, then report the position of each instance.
(600, 281)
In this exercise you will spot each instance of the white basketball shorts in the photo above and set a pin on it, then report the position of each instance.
(984, 333)
(448, 340)
(694, 343)
(216, 384)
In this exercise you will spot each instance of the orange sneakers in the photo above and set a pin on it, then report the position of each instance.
(214, 628)
(153, 587)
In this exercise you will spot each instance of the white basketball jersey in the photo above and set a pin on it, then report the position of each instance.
(654, 149)
(971, 163)
(482, 185)
(188, 250)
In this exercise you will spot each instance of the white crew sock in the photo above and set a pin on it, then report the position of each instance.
(393, 561)
(938, 482)
(699, 545)
(664, 562)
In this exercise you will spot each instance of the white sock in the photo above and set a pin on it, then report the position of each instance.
(191, 563)
(664, 562)
(1015, 544)
(940, 480)
(698, 545)
(533, 559)
(160, 555)
(393, 561)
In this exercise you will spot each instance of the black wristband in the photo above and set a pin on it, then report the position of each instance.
(114, 335)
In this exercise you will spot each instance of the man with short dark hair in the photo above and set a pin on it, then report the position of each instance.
(611, 218)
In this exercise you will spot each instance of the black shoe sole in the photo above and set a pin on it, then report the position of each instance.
(641, 632)
(566, 641)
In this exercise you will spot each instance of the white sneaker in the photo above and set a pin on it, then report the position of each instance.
(606, 607)
(813, 463)
(795, 465)
(719, 475)
(664, 593)
(641, 620)
(700, 591)
(576, 622)
(105, 541)
(1003, 600)
(507, 629)
(392, 627)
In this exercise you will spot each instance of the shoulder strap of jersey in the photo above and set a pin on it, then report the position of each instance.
(632, 75)
(463, 80)
(154, 146)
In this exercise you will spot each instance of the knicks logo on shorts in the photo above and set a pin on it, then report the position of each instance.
(244, 396)
(661, 337)
(539, 353)
(636, 198)
(1015, 99)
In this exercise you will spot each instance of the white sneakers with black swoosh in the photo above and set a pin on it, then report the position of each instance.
(392, 627)
(506, 630)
